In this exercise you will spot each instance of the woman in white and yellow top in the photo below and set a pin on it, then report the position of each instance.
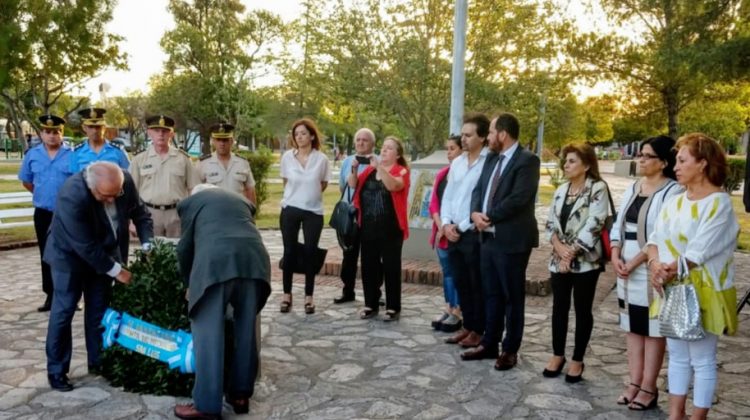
(699, 226)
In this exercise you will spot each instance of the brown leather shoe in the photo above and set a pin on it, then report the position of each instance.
(478, 353)
(188, 411)
(472, 340)
(458, 336)
(506, 361)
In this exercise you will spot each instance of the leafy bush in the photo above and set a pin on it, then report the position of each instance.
(736, 174)
(260, 164)
(156, 295)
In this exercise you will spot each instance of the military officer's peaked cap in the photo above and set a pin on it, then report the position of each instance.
(160, 121)
(222, 130)
(51, 122)
(92, 116)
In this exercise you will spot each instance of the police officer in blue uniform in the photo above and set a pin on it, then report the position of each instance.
(43, 171)
(96, 148)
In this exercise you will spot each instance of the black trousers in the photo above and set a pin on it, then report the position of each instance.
(464, 258)
(349, 267)
(291, 219)
(583, 288)
(42, 220)
(381, 260)
(504, 288)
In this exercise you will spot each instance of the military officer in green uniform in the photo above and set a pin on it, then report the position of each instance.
(225, 169)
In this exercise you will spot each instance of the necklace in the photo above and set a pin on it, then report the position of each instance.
(572, 196)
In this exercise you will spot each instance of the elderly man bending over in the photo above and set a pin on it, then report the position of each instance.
(86, 248)
(223, 260)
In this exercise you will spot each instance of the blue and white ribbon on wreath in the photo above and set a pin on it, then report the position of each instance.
(172, 347)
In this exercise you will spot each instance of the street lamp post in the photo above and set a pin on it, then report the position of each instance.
(458, 79)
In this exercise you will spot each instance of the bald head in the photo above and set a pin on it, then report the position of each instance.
(105, 180)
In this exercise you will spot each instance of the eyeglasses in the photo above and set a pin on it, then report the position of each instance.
(646, 156)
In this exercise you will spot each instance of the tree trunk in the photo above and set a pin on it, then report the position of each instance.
(671, 103)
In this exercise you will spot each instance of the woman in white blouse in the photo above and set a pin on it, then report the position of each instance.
(305, 172)
(697, 228)
(639, 212)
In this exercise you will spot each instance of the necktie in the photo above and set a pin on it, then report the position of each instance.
(496, 178)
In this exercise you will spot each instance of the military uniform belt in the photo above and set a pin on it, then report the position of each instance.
(161, 206)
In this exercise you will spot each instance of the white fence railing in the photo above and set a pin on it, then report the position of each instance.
(8, 216)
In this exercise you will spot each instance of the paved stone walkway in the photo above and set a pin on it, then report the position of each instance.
(331, 365)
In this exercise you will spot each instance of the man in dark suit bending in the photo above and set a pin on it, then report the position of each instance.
(503, 211)
(86, 248)
(223, 261)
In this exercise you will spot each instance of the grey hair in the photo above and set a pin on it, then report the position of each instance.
(202, 187)
(96, 171)
(367, 131)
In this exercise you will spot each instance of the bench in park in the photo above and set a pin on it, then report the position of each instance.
(9, 218)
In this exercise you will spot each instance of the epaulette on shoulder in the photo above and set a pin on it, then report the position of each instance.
(141, 152)
(184, 152)
(79, 145)
(205, 156)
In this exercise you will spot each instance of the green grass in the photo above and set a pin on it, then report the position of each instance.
(743, 242)
(17, 234)
(13, 185)
(269, 215)
(9, 168)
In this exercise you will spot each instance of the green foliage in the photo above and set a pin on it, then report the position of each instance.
(156, 295)
(260, 164)
(736, 174)
(668, 53)
(48, 48)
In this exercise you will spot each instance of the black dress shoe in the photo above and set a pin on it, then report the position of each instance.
(478, 353)
(47, 305)
(60, 382)
(343, 299)
(239, 405)
(553, 373)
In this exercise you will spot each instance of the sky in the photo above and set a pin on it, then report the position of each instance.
(143, 22)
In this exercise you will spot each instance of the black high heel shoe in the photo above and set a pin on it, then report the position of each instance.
(639, 406)
(554, 373)
(575, 379)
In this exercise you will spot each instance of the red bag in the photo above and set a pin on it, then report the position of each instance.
(608, 222)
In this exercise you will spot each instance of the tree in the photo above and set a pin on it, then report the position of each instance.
(215, 52)
(670, 50)
(129, 112)
(49, 48)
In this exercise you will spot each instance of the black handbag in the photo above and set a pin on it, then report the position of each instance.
(299, 265)
(344, 221)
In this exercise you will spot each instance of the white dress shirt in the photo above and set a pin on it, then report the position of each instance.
(462, 178)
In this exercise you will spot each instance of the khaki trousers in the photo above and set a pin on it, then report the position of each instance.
(166, 222)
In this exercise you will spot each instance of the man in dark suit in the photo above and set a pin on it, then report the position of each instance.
(503, 211)
(223, 260)
(86, 248)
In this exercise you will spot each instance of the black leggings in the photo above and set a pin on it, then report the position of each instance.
(312, 225)
(583, 287)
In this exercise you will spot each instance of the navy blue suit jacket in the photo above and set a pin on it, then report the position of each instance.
(81, 238)
(511, 210)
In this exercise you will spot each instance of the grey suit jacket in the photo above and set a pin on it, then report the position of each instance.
(219, 243)
(511, 210)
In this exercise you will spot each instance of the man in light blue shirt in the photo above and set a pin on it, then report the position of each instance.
(43, 171)
(364, 144)
(96, 148)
